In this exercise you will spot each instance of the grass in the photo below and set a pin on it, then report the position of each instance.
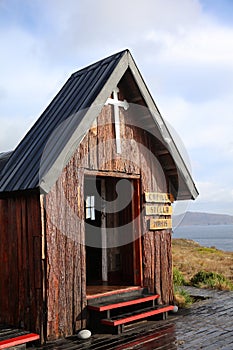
(199, 266)
(178, 278)
(182, 298)
(204, 279)
(207, 250)
(190, 258)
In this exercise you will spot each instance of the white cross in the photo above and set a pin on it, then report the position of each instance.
(116, 104)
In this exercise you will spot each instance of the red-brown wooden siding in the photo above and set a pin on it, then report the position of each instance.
(66, 284)
(66, 277)
(21, 262)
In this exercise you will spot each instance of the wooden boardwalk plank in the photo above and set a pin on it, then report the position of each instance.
(208, 325)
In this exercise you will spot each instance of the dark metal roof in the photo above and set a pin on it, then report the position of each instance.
(41, 156)
(22, 171)
(4, 157)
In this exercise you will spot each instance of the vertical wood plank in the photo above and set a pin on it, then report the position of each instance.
(93, 146)
(157, 262)
(19, 294)
(13, 256)
(4, 271)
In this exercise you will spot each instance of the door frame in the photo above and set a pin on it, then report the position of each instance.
(136, 211)
(137, 243)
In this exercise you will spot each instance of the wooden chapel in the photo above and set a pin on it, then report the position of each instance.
(86, 202)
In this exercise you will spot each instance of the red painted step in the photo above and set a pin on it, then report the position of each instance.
(22, 339)
(117, 304)
(122, 319)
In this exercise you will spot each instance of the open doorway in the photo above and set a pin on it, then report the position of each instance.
(112, 227)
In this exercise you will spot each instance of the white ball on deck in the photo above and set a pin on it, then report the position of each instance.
(84, 334)
(175, 309)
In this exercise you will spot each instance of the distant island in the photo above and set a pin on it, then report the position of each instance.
(202, 219)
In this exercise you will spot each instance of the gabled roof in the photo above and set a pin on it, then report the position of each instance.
(78, 93)
(37, 163)
(4, 157)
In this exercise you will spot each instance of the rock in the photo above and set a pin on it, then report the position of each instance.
(84, 334)
(175, 309)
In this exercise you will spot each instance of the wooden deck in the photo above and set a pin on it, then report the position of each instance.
(208, 325)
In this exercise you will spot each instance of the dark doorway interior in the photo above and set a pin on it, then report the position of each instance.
(93, 231)
(110, 247)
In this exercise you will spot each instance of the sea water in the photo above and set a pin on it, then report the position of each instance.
(218, 236)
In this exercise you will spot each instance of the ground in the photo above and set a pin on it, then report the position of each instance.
(190, 257)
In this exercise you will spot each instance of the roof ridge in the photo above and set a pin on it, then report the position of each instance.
(100, 62)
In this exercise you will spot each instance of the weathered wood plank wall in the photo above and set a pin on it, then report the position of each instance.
(66, 278)
(66, 283)
(21, 301)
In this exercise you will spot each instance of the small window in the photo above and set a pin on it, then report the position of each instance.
(90, 207)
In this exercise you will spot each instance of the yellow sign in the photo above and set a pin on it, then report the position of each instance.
(156, 197)
(156, 209)
(160, 224)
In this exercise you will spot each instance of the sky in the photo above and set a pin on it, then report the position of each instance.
(183, 48)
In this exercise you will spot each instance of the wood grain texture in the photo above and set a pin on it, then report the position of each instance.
(65, 254)
(66, 285)
(42, 249)
(21, 262)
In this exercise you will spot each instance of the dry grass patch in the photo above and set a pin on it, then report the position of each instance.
(182, 298)
(189, 257)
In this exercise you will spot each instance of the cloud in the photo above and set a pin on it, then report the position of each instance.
(206, 130)
(213, 198)
(197, 64)
(212, 192)
(104, 26)
(184, 52)
(27, 83)
(210, 122)
(11, 130)
(205, 43)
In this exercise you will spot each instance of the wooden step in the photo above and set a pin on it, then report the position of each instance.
(122, 302)
(137, 315)
(112, 293)
(110, 297)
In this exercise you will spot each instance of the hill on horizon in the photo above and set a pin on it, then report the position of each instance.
(197, 218)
